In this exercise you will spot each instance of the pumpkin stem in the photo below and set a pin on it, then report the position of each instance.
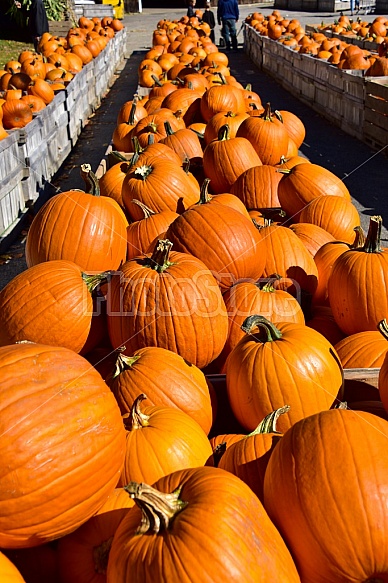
(223, 133)
(123, 363)
(278, 115)
(131, 118)
(168, 128)
(156, 81)
(92, 281)
(151, 127)
(218, 452)
(266, 115)
(359, 239)
(266, 327)
(136, 419)
(159, 258)
(268, 424)
(146, 209)
(204, 196)
(222, 77)
(143, 171)
(373, 238)
(101, 556)
(115, 157)
(248, 87)
(382, 327)
(158, 508)
(90, 179)
(269, 287)
(341, 405)
(186, 165)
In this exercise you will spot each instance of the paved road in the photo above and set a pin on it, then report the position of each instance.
(364, 171)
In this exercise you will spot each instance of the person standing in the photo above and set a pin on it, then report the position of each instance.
(208, 17)
(227, 16)
(37, 20)
(190, 10)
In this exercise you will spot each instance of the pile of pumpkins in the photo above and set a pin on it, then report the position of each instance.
(336, 50)
(207, 249)
(30, 83)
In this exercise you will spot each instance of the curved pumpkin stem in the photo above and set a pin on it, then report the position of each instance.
(123, 363)
(146, 209)
(382, 327)
(90, 179)
(158, 509)
(116, 157)
(268, 424)
(266, 115)
(131, 118)
(159, 260)
(224, 133)
(359, 239)
(373, 238)
(271, 332)
(136, 419)
(204, 196)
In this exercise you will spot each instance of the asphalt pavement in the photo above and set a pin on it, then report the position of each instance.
(364, 171)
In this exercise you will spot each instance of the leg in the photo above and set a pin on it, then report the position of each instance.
(225, 33)
(212, 36)
(233, 33)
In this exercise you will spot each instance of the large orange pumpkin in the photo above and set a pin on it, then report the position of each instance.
(276, 365)
(358, 284)
(183, 512)
(62, 443)
(88, 229)
(169, 300)
(226, 241)
(161, 440)
(325, 476)
(167, 379)
(63, 290)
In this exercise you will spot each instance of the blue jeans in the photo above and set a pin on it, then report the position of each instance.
(229, 32)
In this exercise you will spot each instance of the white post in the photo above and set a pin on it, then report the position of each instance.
(140, 6)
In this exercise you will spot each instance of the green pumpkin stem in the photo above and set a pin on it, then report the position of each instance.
(224, 133)
(373, 238)
(123, 363)
(115, 157)
(266, 115)
(131, 118)
(158, 508)
(91, 181)
(266, 327)
(156, 81)
(222, 77)
(268, 424)
(92, 281)
(159, 260)
(269, 286)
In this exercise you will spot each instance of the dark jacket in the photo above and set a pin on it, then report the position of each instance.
(190, 11)
(37, 18)
(208, 17)
(227, 9)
